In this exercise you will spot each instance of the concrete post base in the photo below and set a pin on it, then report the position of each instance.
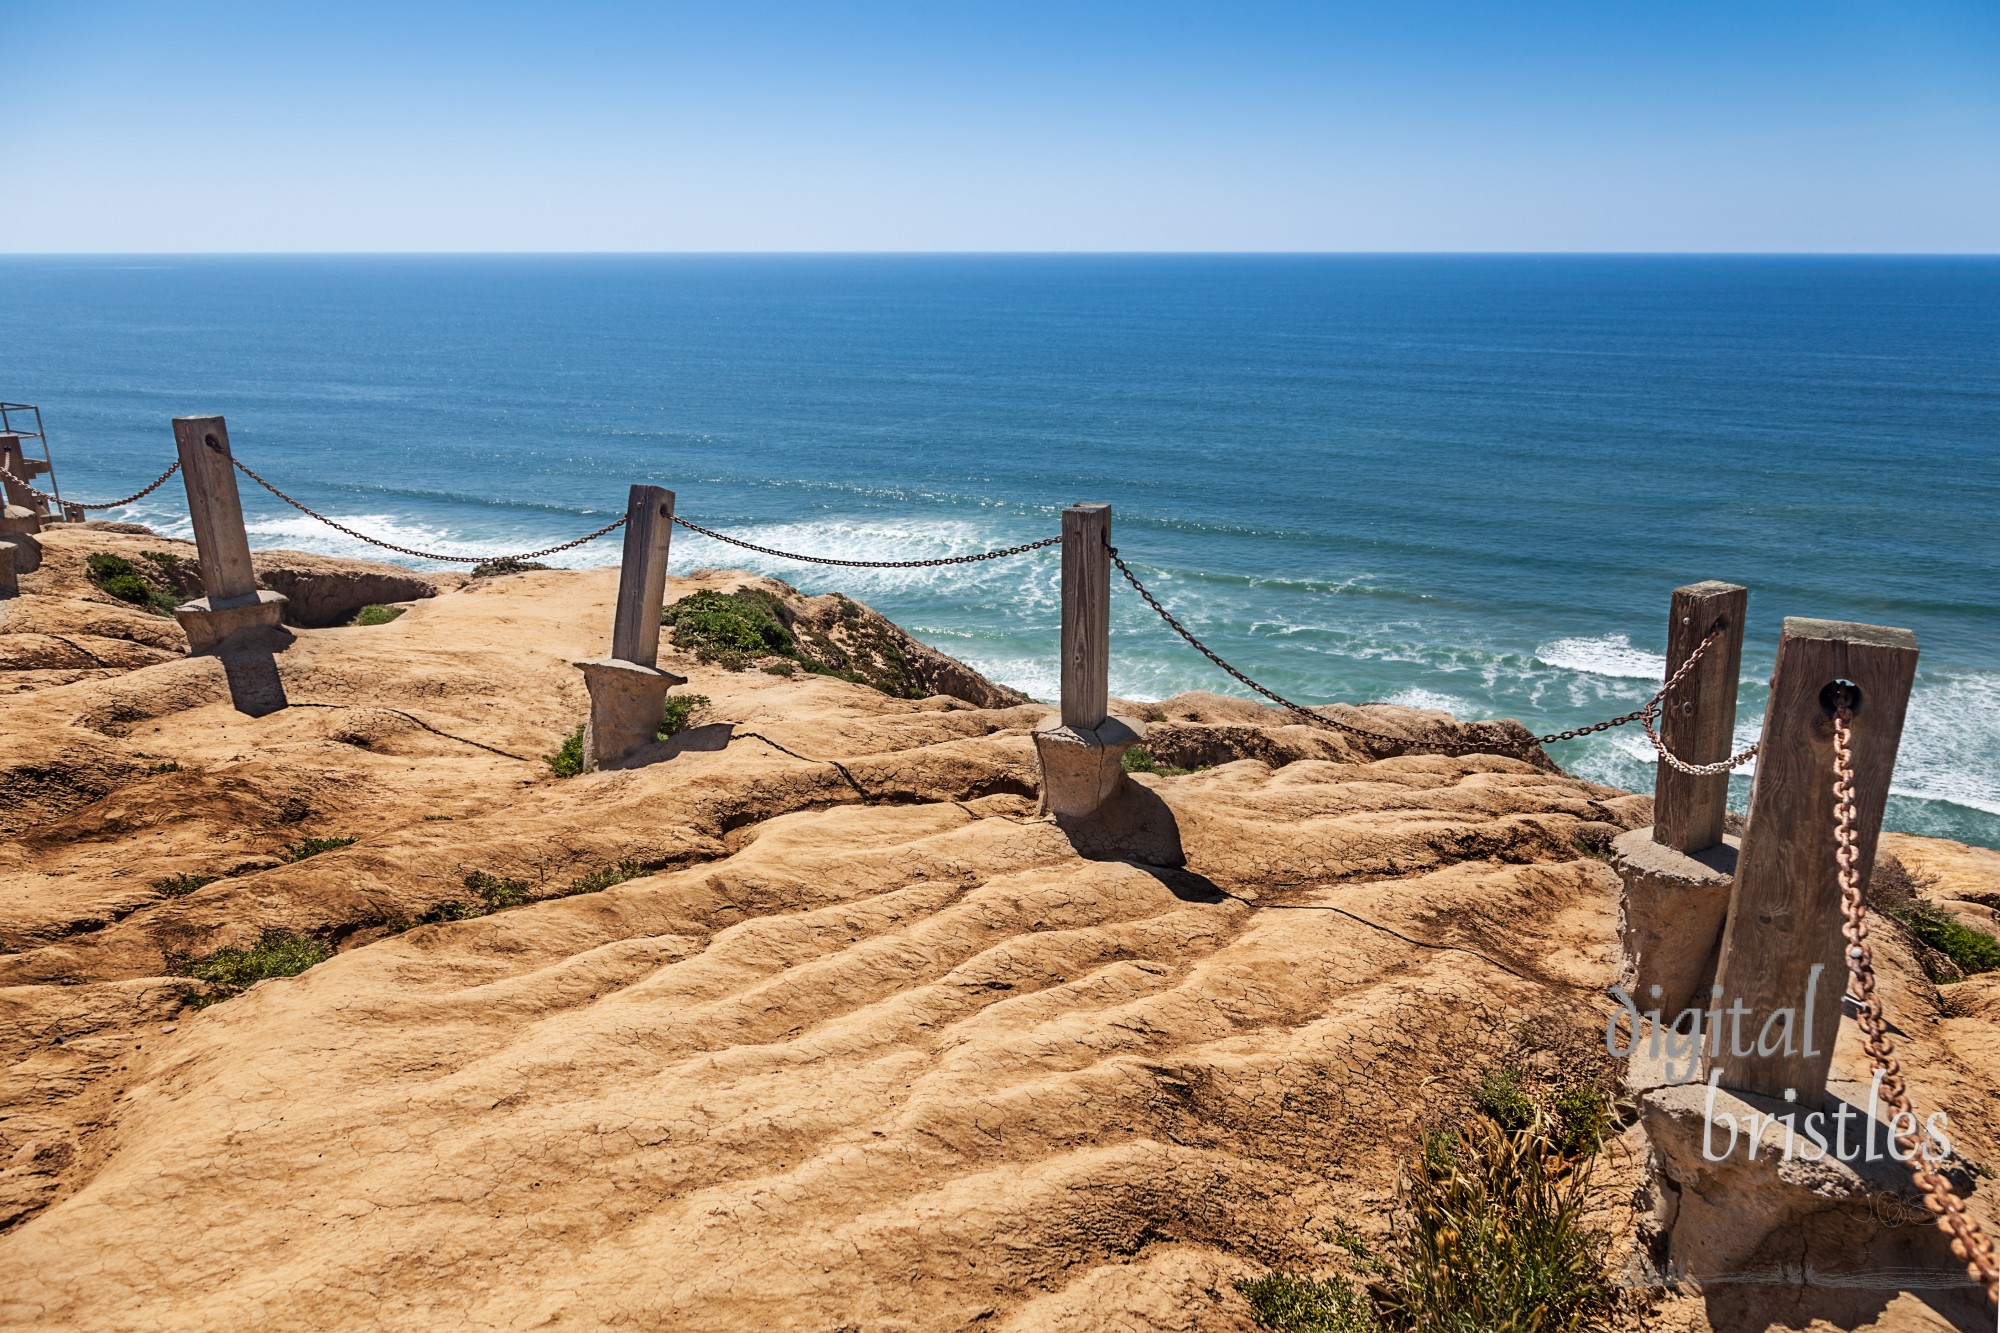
(18, 525)
(1081, 770)
(211, 628)
(625, 704)
(1670, 918)
(10, 579)
(1741, 1189)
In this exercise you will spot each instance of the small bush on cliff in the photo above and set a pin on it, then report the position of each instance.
(495, 892)
(1139, 759)
(180, 886)
(1298, 1304)
(730, 628)
(487, 569)
(599, 880)
(120, 578)
(1969, 950)
(277, 953)
(567, 761)
(374, 614)
(1496, 1239)
(679, 708)
(306, 847)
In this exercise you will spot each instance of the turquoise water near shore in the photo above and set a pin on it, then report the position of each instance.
(1459, 482)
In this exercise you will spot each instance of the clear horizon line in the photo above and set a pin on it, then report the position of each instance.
(1002, 254)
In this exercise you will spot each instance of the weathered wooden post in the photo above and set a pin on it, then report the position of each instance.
(1081, 758)
(1698, 721)
(628, 691)
(1677, 873)
(233, 605)
(20, 516)
(1782, 967)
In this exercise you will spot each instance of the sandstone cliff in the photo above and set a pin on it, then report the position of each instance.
(808, 1023)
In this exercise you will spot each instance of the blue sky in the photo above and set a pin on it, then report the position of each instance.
(1613, 125)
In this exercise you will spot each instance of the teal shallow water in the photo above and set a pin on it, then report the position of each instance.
(1466, 483)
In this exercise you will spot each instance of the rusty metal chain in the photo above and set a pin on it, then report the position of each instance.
(412, 551)
(1022, 549)
(1644, 714)
(1298, 710)
(1673, 760)
(1968, 1241)
(158, 482)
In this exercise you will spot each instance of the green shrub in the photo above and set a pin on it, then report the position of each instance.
(180, 886)
(1582, 1120)
(277, 953)
(1970, 950)
(495, 892)
(730, 627)
(1497, 1239)
(599, 880)
(487, 569)
(1296, 1304)
(567, 761)
(1138, 759)
(119, 577)
(375, 614)
(679, 708)
(1502, 1099)
(306, 847)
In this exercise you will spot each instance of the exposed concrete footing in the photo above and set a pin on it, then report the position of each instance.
(626, 700)
(1082, 769)
(1670, 918)
(211, 627)
(1740, 1187)
(10, 579)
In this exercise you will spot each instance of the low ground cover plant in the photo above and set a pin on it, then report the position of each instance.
(277, 953)
(119, 577)
(306, 847)
(1490, 1231)
(679, 708)
(179, 886)
(1139, 759)
(1969, 951)
(376, 614)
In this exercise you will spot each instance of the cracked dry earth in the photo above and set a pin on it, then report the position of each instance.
(869, 1046)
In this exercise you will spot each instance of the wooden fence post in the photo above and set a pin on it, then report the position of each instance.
(232, 604)
(1699, 718)
(1677, 873)
(628, 691)
(1782, 966)
(642, 575)
(1082, 758)
(1086, 615)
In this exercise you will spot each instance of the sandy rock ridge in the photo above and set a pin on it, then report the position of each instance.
(864, 1044)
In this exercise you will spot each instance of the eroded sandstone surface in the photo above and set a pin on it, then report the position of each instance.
(862, 1044)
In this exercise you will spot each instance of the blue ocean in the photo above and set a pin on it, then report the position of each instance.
(1457, 482)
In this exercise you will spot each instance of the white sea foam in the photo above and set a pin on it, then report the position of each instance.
(1951, 742)
(1604, 655)
(1417, 697)
(298, 532)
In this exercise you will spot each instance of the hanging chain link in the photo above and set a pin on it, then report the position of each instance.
(1968, 1241)
(1022, 549)
(1644, 714)
(410, 550)
(157, 482)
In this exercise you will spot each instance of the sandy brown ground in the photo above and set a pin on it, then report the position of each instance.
(871, 1047)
